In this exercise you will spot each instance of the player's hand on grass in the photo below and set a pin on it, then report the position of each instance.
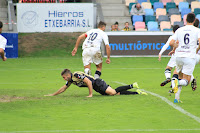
(48, 95)
(4, 59)
(108, 61)
(74, 51)
(159, 57)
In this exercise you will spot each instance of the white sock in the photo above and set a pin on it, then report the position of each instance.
(168, 74)
(177, 95)
(183, 82)
(192, 77)
(87, 71)
(96, 76)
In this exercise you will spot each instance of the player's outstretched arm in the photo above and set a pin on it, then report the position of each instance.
(2, 54)
(61, 90)
(108, 54)
(77, 43)
(89, 84)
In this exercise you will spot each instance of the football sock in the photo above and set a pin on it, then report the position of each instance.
(128, 93)
(87, 71)
(183, 82)
(175, 76)
(177, 95)
(168, 73)
(122, 88)
(97, 74)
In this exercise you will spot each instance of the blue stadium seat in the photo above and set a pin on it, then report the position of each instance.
(163, 18)
(196, 11)
(153, 26)
(149, 12)
(149, 18)
(189, 1)
(173, 11)
(170, 5)
(153, 1)
(130, 6)
(158, 5)
(183, 5)
(181, 24)
(167, 29)
(140, 1)
(137, 18)
(198, 16)
(185, 11)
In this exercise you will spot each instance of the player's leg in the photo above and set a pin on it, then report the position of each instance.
(87, 60)
(87, 69)
(97, 59)
(98, 71)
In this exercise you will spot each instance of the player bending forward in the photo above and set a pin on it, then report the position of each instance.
(91, 49)
(3, 42)
(83, 80)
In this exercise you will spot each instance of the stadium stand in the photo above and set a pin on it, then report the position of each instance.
(183, 5)
(149, 18)
(130, 1)
(197, 11)
(149, 12)
(158, 5)
(165, 25)
(139, 25)
(152, 26)
(190, 1)
(140, 1)
(178, 1)
(198, 16)
(153, 1)
(137, 18)
(173, 11)
(195, 4)
(184, 19)
(179, 23)
(130, 6)
(170, 5)
(165, 2)
(37, 1)
(175, 18)
(160, 11)
(185, 11)
(163, 18)
(146, 5)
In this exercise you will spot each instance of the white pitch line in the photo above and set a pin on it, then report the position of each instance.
(109, 130)
(170, 103)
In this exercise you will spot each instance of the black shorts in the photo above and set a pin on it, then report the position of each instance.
(100, 86)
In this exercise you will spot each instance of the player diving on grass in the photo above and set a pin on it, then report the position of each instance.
(3, 42)
(84, 80)
(91, 49)
(186, 51)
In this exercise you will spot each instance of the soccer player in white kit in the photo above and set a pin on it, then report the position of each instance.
(3, 42)
(91, 49)
(187, 37)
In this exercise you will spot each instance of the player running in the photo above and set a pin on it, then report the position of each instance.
(187, 37)
(91, 49)
(3, 42)
(83, 80)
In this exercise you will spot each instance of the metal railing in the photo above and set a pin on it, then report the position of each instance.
(11, 17)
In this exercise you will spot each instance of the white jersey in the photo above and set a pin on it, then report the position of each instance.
(94, 39)
(3, 42)
(165, 46)
(187, 37)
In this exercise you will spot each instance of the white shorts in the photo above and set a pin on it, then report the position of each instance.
(185, 65)
(91, 55)
(197, 58)
(172, 61)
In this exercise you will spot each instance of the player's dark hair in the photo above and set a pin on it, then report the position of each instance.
(101, 24)
(175, 28)
(1, 24)
(196, 23)
(190, 17)
(126, 22)
(65, 71)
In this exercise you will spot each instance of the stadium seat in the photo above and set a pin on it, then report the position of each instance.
(152, 26)
(130, 1)
(183, 5)
(160, 11)
(153, 1)
(167, 29)
(137, 18)
(165, 25)
(139, 25)
(165, 2)
(185, 11)
(130, 6)
(198, 16)
(149, 12)
(196, 11)
(170, 5)
(158, 5)
(190, 1)
(141, 30)
(149, 18)
(173, 11)
(195, 4)
(146, 5)
(184, 19)
(175, 18)
(140, 1)
(178, 1)
(179, 23)
(163, 18)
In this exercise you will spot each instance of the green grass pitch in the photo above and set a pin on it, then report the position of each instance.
(23, 107)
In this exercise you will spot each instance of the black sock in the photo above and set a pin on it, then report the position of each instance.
(98, 73)
(128, 93)
(122, 88)
(175, 76)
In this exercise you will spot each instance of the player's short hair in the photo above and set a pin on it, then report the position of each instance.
(190, 17)
(175, 28)
(65, 71)
(196, 23)
(126, 22)
(101, 24)
(1, 24)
